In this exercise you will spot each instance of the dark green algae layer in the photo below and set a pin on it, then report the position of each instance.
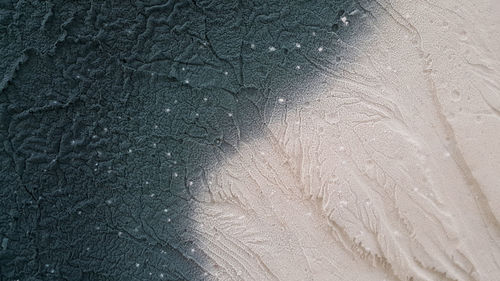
(109, 108)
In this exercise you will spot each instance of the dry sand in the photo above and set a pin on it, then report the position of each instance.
(389, 172)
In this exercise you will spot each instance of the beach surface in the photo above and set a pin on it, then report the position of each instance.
(388, 170)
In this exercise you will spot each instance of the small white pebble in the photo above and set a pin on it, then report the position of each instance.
(344, 20)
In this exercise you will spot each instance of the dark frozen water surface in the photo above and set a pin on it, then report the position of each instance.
(108, 110)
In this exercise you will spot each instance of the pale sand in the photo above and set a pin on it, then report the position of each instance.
(390, 172)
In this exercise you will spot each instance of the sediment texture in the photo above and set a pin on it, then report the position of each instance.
(110, 108)
(235, 140)
(387, 172)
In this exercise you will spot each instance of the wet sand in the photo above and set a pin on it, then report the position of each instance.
(389, 171)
